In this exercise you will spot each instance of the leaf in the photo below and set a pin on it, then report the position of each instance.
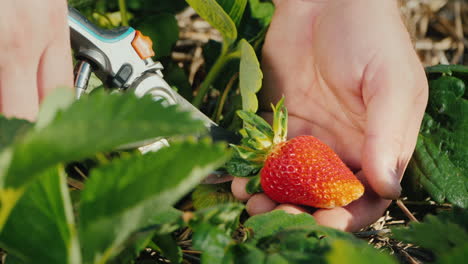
(301, 244)
(212, 241)
(437, 174)
(254, 186)
(448, 69)
(212, 12)
(176, 76)
(58, 100)
(163, 30)
(160, 225)
(344, 252)
(253, 120)
(439, 161)
(41, 227)
(443, 234)
(262, 11)
(250, 77)
(93, 124)
(169, 248)
(242, 168)
(235, 9)
(263, 225)
(213, 228)
(124, 196)
(12, 129)
(225, 217)
(449, 111)
(208, 195)
(456, 255)
(243, 254)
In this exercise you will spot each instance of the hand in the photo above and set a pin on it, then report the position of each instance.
(351, 78)
(35, 54)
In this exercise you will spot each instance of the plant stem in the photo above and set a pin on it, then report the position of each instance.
(222, 60)
(123, 12)
(222, 100)
(405, 210)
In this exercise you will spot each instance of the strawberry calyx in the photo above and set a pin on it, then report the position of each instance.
(258, 140)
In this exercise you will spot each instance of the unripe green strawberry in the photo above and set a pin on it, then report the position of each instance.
(302, 170)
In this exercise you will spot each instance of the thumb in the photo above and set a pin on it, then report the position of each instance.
(395, 99)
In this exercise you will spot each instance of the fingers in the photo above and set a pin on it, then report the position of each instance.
(354, 216)
(55, 68)
(256, 204)
(18, 93)
(395, 98)
(260, 203)
(238, 188)
(35, 54)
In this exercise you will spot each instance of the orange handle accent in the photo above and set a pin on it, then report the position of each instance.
(143, 45)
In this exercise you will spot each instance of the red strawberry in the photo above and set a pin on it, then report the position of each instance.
(305, 171)
(302, 170)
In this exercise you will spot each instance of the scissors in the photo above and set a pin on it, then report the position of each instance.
(122, 59)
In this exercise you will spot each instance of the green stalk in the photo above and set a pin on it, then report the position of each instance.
(212, 75)
(123, 12)
(222, 100)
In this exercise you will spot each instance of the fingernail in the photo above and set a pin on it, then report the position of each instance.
(394, 184)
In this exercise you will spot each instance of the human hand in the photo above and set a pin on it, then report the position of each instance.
(35, 54)
(351, 78)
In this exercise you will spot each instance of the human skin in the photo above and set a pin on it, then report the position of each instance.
(351, 78)
(35, 55)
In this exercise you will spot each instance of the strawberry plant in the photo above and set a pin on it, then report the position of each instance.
(73, 190)
(302, 170)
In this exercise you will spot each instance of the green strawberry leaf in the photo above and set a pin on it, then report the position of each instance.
(212, 12)
(57, 101)
(177, 77)
(286, 238)
(252, 120)
(444, 234)
(263, 225)
(235, 9)
(225, 217)
(168, 247)
(41, 227)
(254, 186)
(448, 69)
(240, 167)
(262, 11)
(439, 162)
(456, 255)
(212, 241)
(213, 228)
(12, 129)
(346, 252)
(250, 76)
(208, 195)
(160, 225)
(120, 199)
(244, 254)
(97, 123)
(434, 170)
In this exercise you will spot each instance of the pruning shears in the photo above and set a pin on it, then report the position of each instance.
(121, 59)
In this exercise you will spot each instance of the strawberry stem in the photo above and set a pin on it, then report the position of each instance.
(280, 122)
